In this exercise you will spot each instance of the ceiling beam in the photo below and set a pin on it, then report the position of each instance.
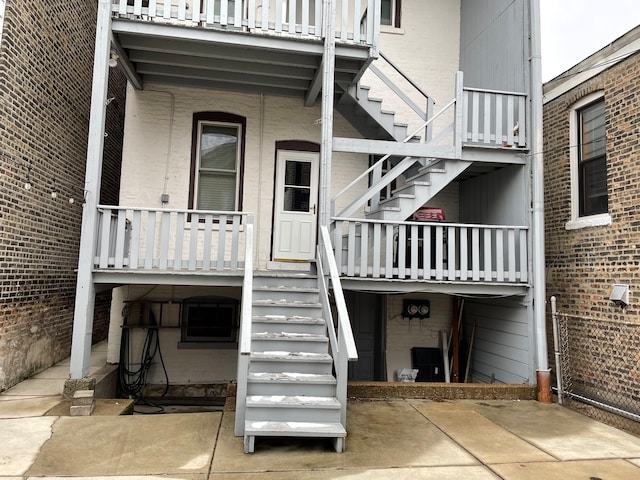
(216, 85)
(225, 77)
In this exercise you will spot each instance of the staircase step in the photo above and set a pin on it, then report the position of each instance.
(302, 362)
(289, 342)
(287, 308)
(295, 324)
(254, 429)
(292, 401)
(278, 356)
(293, 408)
(285, 293)
(290, 383)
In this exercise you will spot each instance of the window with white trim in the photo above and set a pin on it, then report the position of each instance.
(390, 13)
(217, 159)
(2, 4)
(588, 156)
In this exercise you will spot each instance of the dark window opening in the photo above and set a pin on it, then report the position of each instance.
(210, 319)
(592, 160)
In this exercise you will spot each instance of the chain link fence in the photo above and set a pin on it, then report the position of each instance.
(599, 362)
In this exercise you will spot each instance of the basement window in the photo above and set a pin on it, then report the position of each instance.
(209, 322)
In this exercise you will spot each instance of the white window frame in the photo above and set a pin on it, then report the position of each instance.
(2, 5)
(577, 222)
(394, 20)
(196, 183)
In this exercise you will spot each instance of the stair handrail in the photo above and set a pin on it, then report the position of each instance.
(348, 210)
(344, 325)
(405, 76)
(425, 113)
(244, 347)
(247, 290)
(343, 345)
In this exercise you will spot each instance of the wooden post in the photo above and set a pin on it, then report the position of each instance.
(326, 151)
(455, 341)
(85, 290)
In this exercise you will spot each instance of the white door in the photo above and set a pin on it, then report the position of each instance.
(296, 199)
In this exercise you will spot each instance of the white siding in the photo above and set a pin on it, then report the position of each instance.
(502, 350)
(493, 52)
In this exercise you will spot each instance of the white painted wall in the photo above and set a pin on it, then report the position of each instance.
(427, 49)
(157, 148)
(405, 333)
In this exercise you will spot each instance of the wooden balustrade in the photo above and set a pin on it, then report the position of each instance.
(355, 21)
(431, 251)
(170, 240)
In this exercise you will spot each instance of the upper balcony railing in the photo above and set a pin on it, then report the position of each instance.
(356, 21)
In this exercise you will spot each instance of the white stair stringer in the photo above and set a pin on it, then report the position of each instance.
(418, 190)
(291, 389)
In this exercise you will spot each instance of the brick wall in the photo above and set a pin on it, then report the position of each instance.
(583, 264)
(46, 61)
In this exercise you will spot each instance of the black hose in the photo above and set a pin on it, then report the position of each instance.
(132, 382)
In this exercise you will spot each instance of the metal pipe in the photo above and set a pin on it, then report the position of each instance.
(556, 348)
(537, 162)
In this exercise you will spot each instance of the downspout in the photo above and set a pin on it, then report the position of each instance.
(85, 289)
(328, 69)
(543, 375)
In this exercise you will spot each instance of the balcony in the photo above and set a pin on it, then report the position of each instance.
(265, 46)
(137, 245)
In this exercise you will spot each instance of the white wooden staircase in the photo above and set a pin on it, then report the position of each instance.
(291, 388)
(419, 179)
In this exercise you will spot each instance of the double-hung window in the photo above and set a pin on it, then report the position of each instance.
(217, 162)
(390, 13)
(588, 157)
(592, 160)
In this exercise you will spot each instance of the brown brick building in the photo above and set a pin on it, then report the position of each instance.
(46, 60)
(592, 204)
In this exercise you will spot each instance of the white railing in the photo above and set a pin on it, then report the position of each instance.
(355, 21)
(343, 346)
(494, 118)
(431, 251)
(170, 240)
(245, 331)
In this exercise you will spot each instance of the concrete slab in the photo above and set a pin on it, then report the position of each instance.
(635, 461)
(415, 473)
(200, 476)
(60, 372)
(489, 442)
(20, 442)
(12, 407)
(173, 445)
(37, 386)
(382, 434)
(594, 469)
(563, 433)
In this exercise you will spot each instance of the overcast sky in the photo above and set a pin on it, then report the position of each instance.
(574, 29)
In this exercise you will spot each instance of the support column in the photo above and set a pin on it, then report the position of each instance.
(85, 290)
(326, 150)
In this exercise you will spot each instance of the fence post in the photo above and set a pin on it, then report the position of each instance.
(556, 348)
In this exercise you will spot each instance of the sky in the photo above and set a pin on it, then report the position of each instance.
(572, 30)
